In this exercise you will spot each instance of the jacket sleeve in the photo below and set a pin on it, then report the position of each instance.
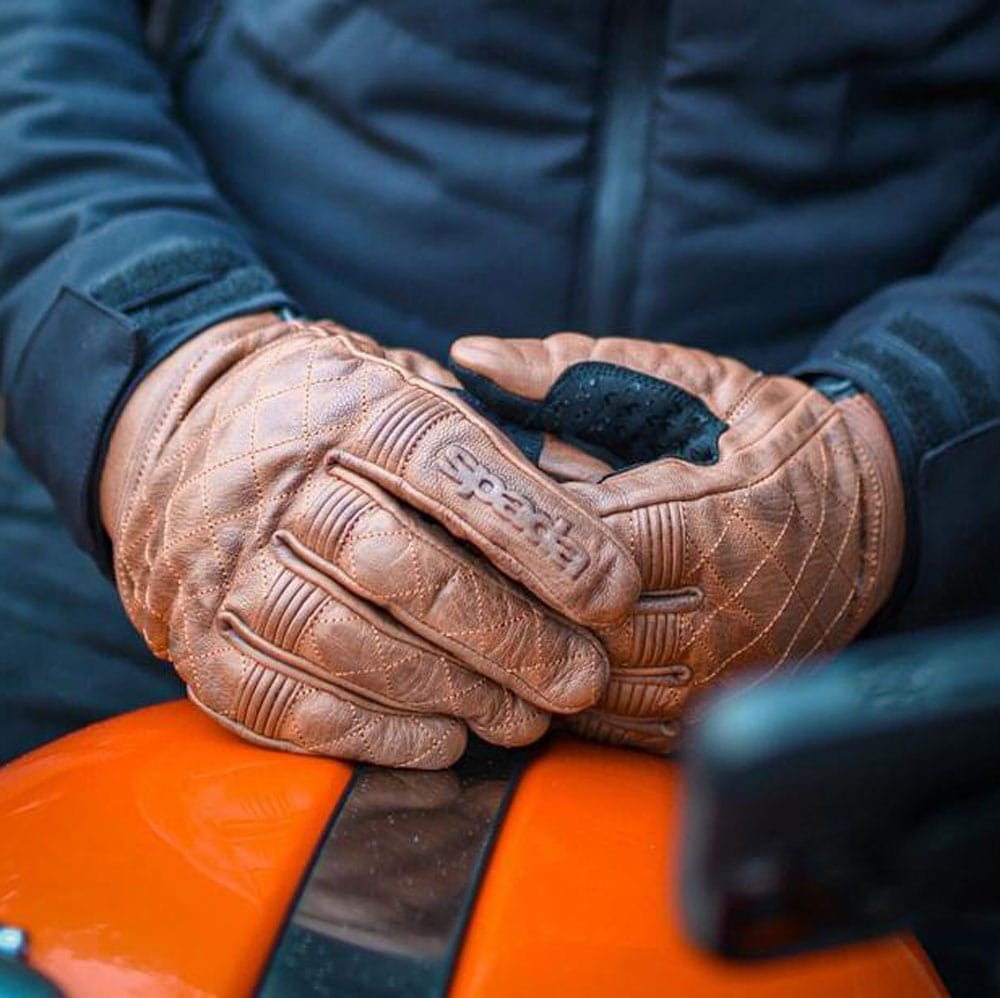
(928, 350)
(114, 245)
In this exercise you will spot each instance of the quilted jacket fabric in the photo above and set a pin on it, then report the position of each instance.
(811, 187)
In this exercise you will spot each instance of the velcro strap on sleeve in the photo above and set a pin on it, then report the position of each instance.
(75, 367)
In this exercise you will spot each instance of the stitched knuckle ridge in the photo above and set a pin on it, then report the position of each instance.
(657, 554)
(402, 419)
(657, 693)
(254, 649)
(325, 524)
(659, 737)
(263, 699)
(287, 609)
(653, 639)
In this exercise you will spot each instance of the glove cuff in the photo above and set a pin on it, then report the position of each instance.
(157, 402)
(884, 507)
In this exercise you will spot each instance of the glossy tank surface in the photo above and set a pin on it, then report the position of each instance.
(581, 899)
(158, 854)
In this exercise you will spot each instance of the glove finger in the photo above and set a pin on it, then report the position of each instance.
(309, 628)
(421, 443)
(522, 369)
(352, 535)
(648, 694)
(297, 717)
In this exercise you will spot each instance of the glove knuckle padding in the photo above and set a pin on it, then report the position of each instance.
(300, 601)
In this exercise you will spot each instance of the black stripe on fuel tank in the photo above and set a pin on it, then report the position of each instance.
(385, 903)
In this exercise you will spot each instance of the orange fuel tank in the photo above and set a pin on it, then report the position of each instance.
(157, 854)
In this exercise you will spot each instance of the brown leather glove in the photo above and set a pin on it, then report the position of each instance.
(269, 492)
(767, 521)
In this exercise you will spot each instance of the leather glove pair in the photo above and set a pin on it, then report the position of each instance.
(766, 519)
(341, 557)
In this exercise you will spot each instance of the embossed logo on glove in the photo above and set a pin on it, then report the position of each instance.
(551, 535)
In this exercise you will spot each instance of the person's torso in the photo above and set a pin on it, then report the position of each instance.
(724, 173)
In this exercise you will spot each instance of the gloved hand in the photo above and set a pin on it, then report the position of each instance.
(270, 491)
(767, 520)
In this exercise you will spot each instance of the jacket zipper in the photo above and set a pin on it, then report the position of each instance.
(636, 35)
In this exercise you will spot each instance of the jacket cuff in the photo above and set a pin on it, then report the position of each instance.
(114, 316)
(939, 410)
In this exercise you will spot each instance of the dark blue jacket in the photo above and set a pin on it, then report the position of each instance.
(811, 185)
